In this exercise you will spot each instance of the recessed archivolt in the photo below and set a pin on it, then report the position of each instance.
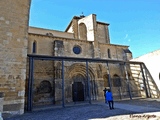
(79, 69)
(99, 70)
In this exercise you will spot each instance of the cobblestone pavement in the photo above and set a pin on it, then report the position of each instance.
(149, 102)
(98, 111)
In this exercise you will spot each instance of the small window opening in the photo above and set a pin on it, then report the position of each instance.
(109, 53)
(34, 47)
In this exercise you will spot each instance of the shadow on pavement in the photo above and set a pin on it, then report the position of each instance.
(98, 111)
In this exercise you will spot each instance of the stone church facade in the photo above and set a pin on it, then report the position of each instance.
(84, 37)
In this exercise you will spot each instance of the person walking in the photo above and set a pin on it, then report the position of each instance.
(105, 90)
(109, 99)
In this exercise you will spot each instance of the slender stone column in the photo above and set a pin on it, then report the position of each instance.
(88, 80)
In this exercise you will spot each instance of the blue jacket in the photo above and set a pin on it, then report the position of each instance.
(109, 96)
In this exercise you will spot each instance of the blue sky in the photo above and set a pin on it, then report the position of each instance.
(135, 23)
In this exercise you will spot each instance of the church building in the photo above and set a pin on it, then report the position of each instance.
(85, 37)
(42, 67)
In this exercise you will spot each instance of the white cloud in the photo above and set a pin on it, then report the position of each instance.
(126, 36)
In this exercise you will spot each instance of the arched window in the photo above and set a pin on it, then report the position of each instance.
(44, 87)
(34, 47)
(82, 31)
(116, 81)
(109, 53)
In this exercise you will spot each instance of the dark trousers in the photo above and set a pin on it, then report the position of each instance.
(111, 104)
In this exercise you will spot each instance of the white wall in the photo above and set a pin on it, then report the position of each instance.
(152, 61)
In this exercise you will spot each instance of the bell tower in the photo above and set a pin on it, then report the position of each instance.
(14, 20)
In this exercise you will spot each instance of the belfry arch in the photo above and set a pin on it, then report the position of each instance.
(82, 31)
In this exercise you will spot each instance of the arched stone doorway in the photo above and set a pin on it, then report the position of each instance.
(76, 74)
(78, 88)
(77, 91)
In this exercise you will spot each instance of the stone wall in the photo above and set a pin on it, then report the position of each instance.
(44, 44)
(116, 51)
(14, 17)
(48, 32)
(103, 33)
(48, 46)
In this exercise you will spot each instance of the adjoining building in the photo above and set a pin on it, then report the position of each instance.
(151, 61)
(41, 67)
